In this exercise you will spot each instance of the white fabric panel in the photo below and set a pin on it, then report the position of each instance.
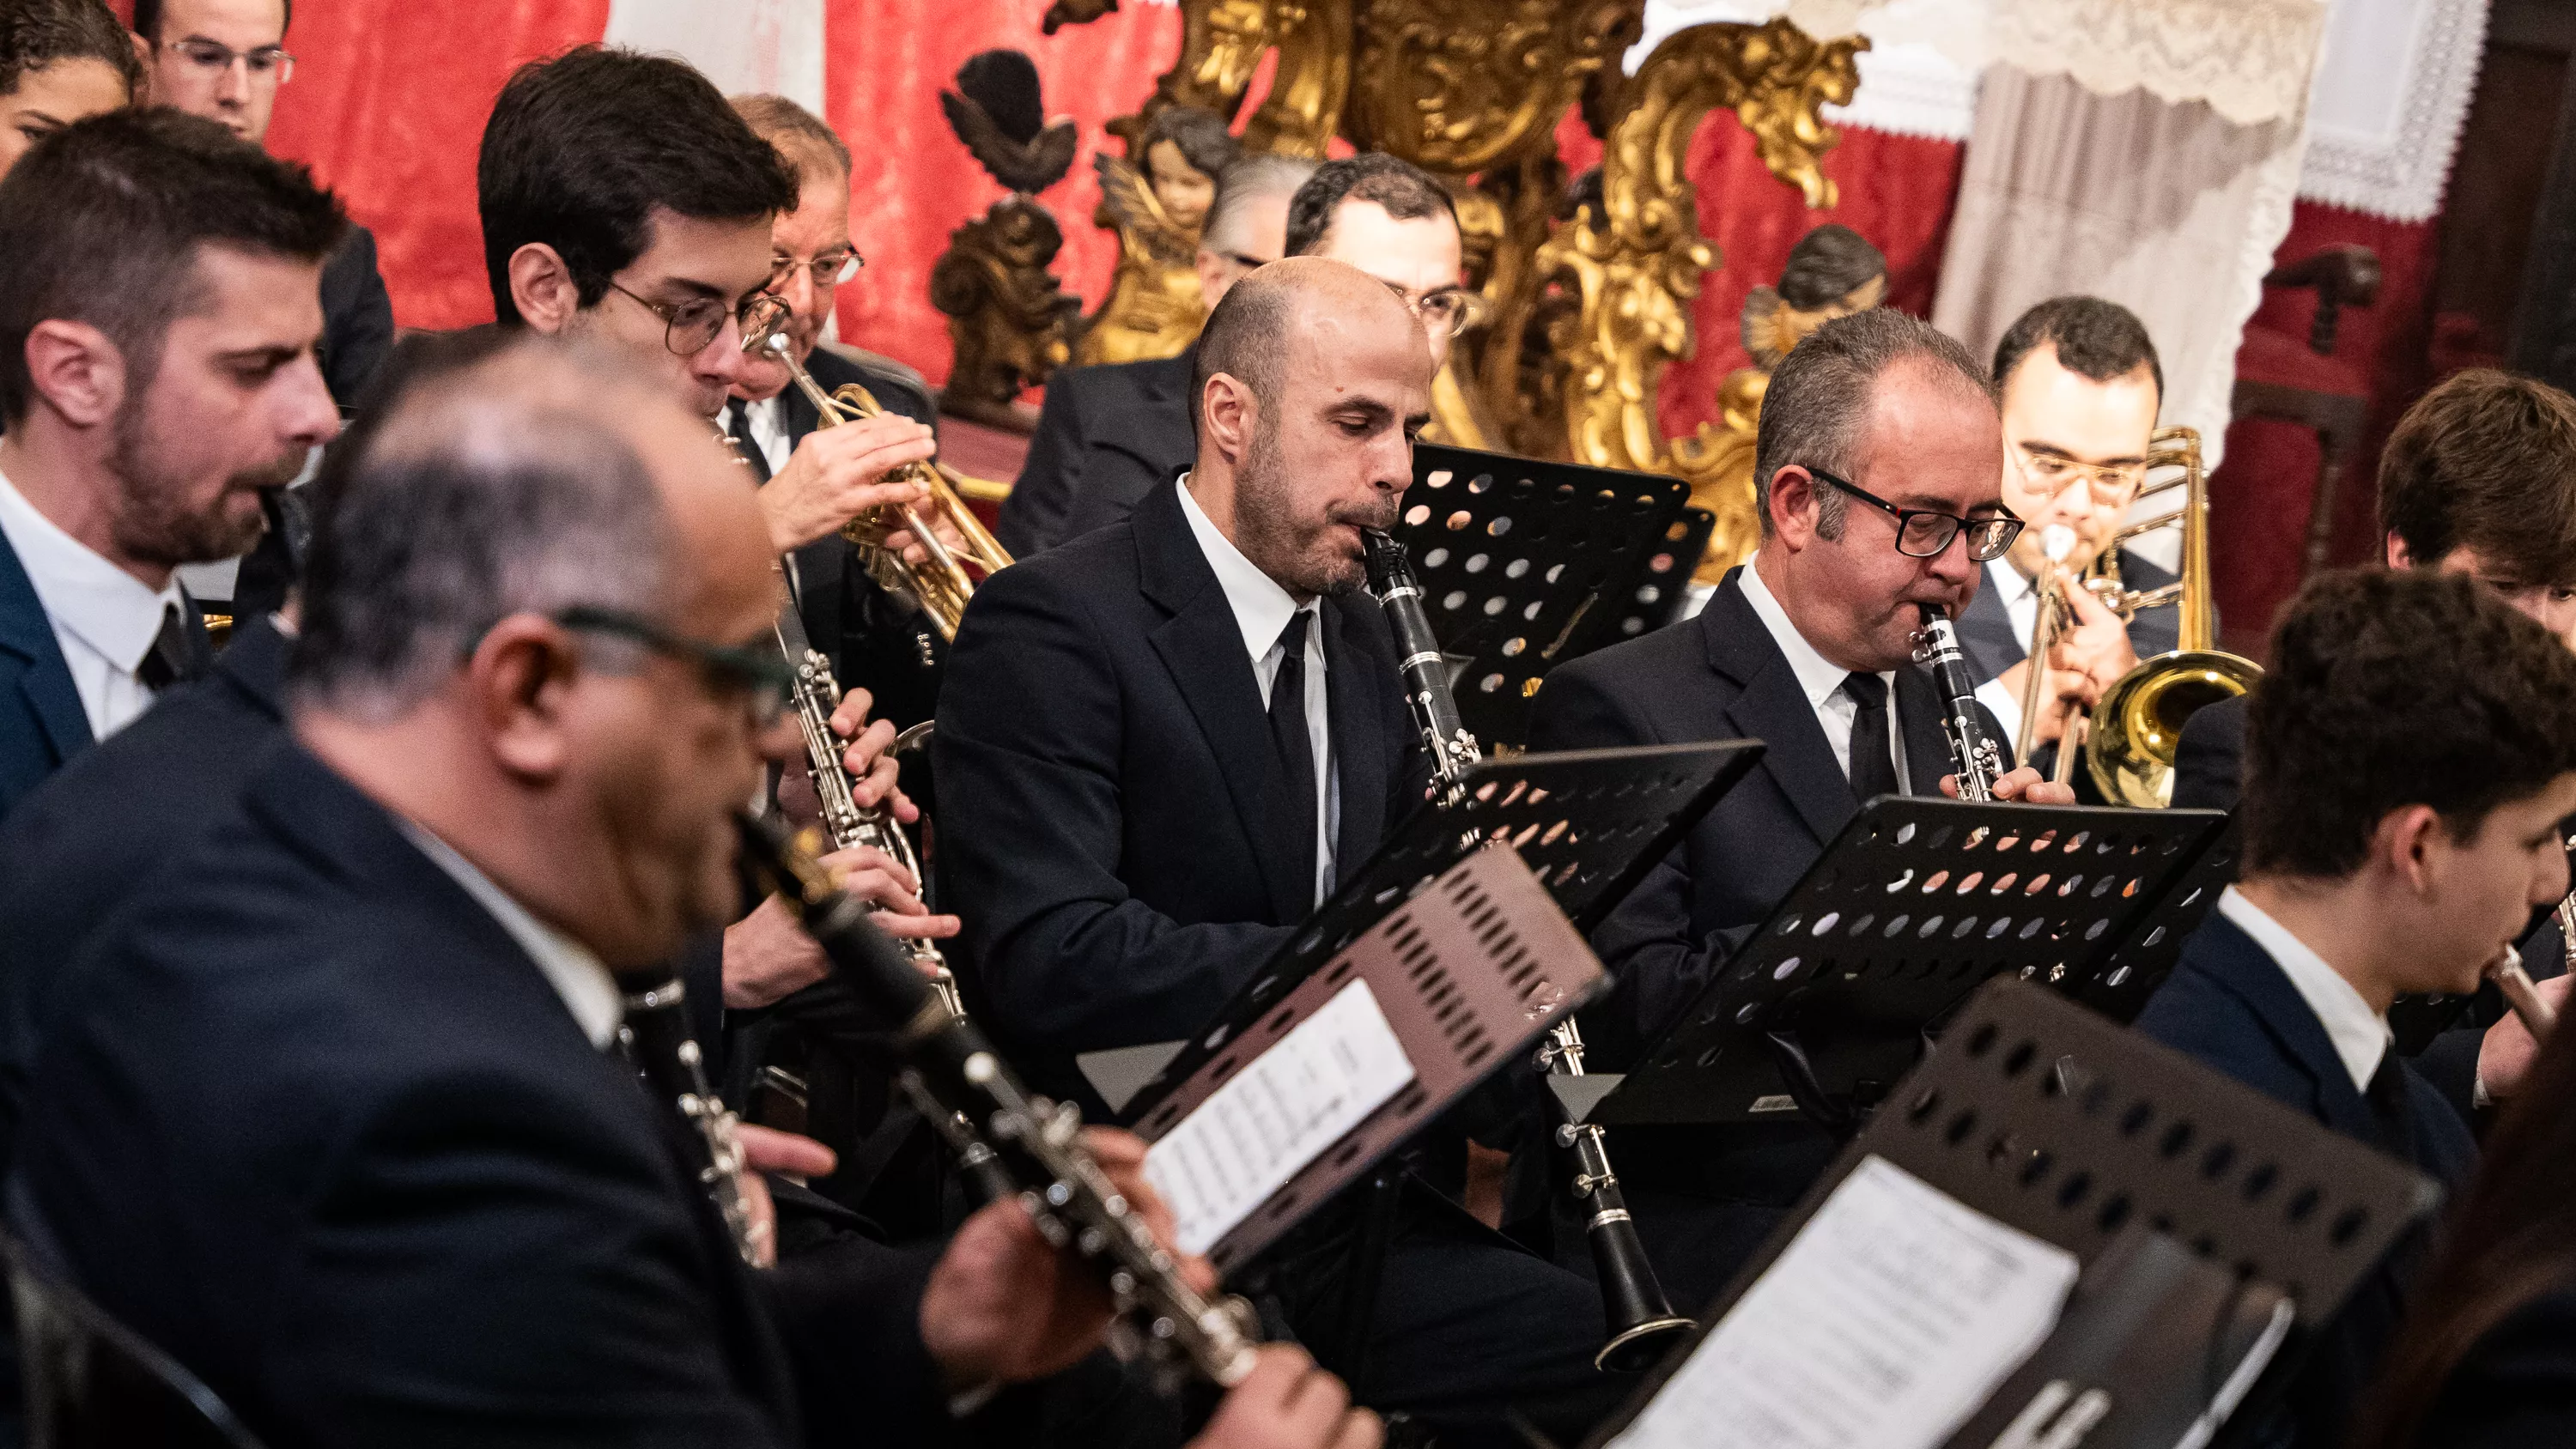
(773, 47)
(2392, 91)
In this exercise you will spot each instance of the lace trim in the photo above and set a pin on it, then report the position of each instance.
(2386, 149)
(2249, 59)
(2206, 402)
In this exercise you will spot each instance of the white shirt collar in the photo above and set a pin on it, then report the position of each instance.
(589, 992)
(1261, 607)
(1820, 677)
(110, 610)
(2360, 1035)
(2007, 581)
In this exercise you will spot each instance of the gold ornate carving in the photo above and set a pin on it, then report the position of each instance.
(1154, 307)
(1222, 44)
(1636, 257)
(1007, 320)
(1457, 86)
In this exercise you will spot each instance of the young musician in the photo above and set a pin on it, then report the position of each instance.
(1115, 432)
(60, 60)
(157, 332)
(1162, 744)
(1876, 475)
(2080, 386)
(224, 60)
(350, 1076)
(2412, 748)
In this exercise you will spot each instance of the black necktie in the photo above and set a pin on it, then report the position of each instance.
(738, 423)
(1296, 747)
(173, 656)
(2387, 1096)
(1873, 767)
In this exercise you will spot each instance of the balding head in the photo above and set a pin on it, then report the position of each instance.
(1310, 380)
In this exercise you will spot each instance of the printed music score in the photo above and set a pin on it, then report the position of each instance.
(1277, 1114)
(1886, 1322)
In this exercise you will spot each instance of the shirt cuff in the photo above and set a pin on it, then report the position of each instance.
(2006, 708)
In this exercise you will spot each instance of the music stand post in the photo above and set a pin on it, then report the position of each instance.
(1917, 903)
(1525, 564)
(2044, 1116)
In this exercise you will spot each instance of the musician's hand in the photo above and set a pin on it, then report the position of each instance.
(870, 757)
(2506, 1053)
(2097, 647)
(836, 474)
(767, 1150)
(2025, 785)
(768, 957)
(902, 541)
(2066, 690)
(1002, 1306)
(1289, 1403)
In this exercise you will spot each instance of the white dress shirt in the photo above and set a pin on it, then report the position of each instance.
(105, 619)
(2360, 1035)
(2021, 604)
(1262, 610)
(589, 992)
(766, 421)
(1822, 679)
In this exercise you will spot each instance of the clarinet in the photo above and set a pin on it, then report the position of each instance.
(1640, 1318)
(657, 1039)
(1973, 753)
(959, 1081)
(816, 694)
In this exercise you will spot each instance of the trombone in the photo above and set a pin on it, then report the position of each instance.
(2134, 731)
(942, 583)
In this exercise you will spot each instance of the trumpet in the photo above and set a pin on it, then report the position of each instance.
(941, 584)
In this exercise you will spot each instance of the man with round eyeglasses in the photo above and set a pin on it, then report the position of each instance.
(1876, 480)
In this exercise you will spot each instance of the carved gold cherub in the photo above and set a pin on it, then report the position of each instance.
(1154, 308)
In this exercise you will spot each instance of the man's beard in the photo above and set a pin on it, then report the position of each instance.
(153, 523)
(1285, 546)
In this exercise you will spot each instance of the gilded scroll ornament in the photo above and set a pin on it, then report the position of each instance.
(1008, 322)
(1154, 307)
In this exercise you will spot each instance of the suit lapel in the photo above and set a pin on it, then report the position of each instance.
(1773, 708)
(46, 680)
(1986, 633)
(2243, 968)
(1918, 723)
(1203, 648)
(1359, 750)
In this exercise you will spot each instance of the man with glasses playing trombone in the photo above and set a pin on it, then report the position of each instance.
(1876, 478)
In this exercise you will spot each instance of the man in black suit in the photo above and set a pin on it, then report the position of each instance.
(1876, 474)
(2413, 748)
(1161, 744)
(110, 478)
(527, 698)
(1109, 435)
(224, 60)
(2080, 385)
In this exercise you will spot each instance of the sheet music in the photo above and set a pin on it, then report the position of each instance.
(1276, 1114)
(1891, 1316)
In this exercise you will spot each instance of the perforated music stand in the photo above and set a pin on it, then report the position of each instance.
(1467, 971)
(1525, 564)
(1917, 903)
(1589, 824)
(2044, 1116)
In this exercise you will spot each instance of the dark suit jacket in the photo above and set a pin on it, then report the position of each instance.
(1106, 437)
(2231, 1007)
(42, 723)
(1993, 645)
(357, 317)
(1110, 800)
(321, 1130)
(2516, 1388)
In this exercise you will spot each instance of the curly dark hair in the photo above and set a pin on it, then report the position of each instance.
(36, 33)
(1408, 193)
(2094, 338)
(1203, 140)
(2395, 688)
(2486, 461)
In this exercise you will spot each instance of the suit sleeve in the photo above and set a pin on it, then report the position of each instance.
(358, 321)
(1114, 481)
(1030, 752)
(485, 1265)
(1032, 518)
(1657, 966)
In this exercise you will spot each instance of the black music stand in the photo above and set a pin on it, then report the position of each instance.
(2045, 1117)
(1915, 905)
(1589, 823)
(1525, 564)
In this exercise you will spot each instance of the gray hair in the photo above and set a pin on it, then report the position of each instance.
(490, 482)
(1249, 179)
(814, 151)
(1819, 397)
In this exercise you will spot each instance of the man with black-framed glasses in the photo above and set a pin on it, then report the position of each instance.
(224, 60)
(1875, 475)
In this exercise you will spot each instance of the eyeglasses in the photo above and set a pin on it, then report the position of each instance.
(267, 63)
(830, 269)
(760, 677)
(1923, 533)
(2053, 473)
(688, 327)
(1444, 313)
